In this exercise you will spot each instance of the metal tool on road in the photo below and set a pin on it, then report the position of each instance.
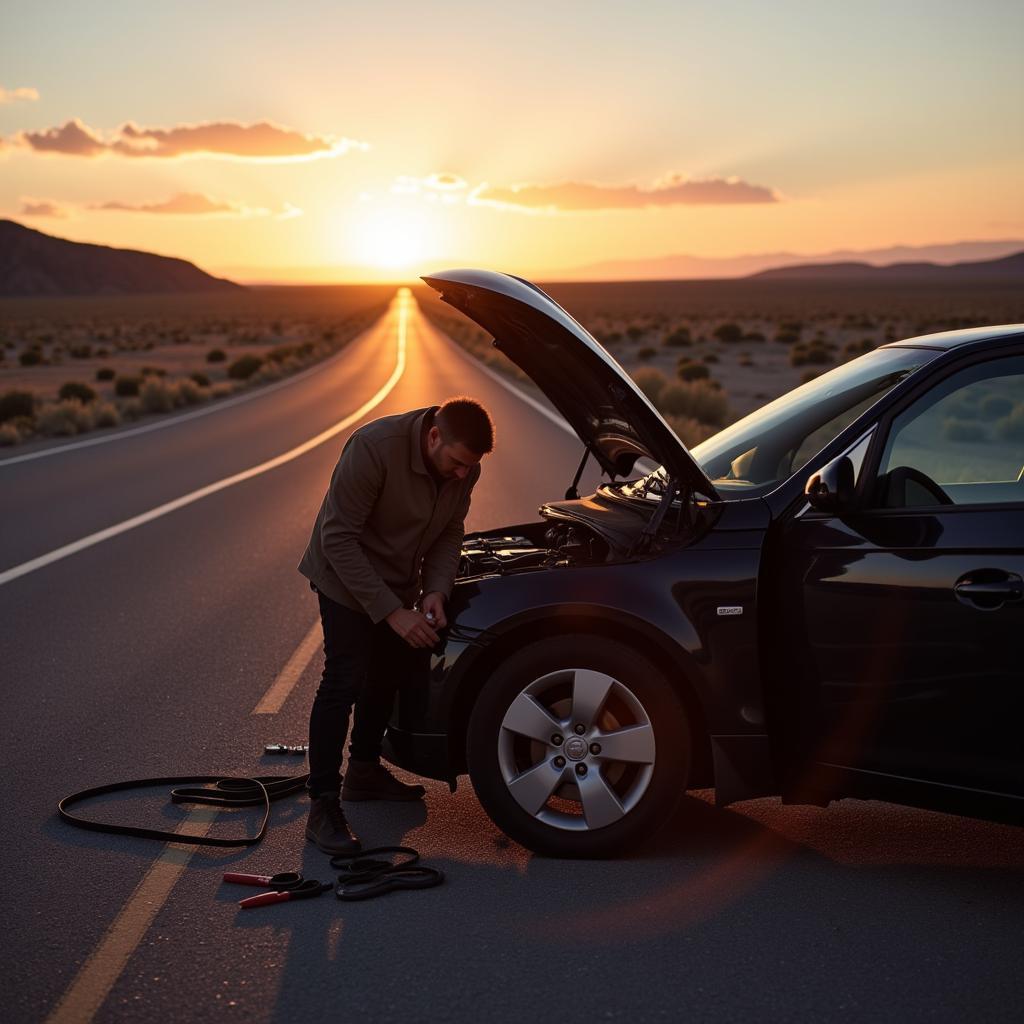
(284, 748)
(287, 885)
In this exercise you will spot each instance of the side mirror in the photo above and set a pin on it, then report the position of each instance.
(831, 488)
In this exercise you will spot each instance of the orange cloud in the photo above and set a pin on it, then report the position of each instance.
(14, 95)
(195, 203)
(262, 141)
(41, 208)
(670, 191)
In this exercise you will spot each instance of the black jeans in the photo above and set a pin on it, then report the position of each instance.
(364, 664)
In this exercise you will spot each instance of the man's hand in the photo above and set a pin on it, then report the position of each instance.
(412, 627)
(432, 607)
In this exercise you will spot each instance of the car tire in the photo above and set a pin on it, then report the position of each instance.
(605, 799)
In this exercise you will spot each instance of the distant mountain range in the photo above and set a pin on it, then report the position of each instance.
(33, 263)
(1009, 267)
(671, 268)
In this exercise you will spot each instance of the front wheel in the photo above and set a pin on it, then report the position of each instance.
(578, 747)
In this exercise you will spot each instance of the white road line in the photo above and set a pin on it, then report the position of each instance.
(271, 702)
(98, 975)
(216, 405)
(203, 492)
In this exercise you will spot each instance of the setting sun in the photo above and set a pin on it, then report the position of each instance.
(392, 239)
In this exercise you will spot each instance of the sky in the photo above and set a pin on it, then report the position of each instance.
(335, 141)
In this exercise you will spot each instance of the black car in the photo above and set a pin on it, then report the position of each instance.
(822, 600)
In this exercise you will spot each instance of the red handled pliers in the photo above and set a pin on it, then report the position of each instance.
(287, 885)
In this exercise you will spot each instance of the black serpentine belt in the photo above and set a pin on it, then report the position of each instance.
(218, 791)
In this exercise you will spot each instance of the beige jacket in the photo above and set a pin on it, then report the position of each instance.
(386, 531)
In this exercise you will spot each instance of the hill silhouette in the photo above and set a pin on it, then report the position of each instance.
(34, 263)
(1005, 267)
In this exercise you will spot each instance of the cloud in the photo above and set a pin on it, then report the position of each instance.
(673, 190)
(41, 208)
(444, 183)
(14, 95)
(224, 139)
(73, 139)
(195, 203)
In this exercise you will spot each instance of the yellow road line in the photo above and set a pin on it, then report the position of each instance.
(203, 492)
(98, 975)
(270, 703)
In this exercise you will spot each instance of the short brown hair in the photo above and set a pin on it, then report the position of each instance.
(466, 421)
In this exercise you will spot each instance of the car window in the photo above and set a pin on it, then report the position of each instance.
(761, 450)
(960, 444)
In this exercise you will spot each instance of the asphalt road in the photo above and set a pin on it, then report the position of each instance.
(145, 653)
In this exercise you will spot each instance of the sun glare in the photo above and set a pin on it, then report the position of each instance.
(389, 239)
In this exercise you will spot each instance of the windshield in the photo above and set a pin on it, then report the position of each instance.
(761, 450)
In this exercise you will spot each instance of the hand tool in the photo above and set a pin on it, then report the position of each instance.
(287, 885)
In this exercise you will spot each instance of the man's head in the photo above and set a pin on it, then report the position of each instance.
(462, 433)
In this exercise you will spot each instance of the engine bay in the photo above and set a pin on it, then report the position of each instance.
(560, 544)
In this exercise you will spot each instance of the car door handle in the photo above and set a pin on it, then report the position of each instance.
(988, 589)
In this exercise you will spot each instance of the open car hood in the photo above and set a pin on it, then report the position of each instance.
(611, 415)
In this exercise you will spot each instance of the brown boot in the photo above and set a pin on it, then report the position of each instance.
(328, 827)
(369, 780)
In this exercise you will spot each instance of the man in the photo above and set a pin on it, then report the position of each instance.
(382, 559)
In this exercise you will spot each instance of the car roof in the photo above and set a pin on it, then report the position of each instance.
(947, 340)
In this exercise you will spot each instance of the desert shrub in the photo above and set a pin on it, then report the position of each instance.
(153, 371)
(245, 367)
(679, 338)
(856, 348)
(16, 403)
(709, 358)
(647, 352)
(613, 338)
(753, 336)
(688, 369)
(787, 337)
(80, 351)
(222, 389)
(746, 359)
(635, 332)
(63, 419)
(650, 381)
(814, 354)
(102, 353)
(130, 408)
(690, 431)
(699, 401)
(188, 392)
(201, 379)
(105, 373)
(106, 415)
(9, 435)
(157, 396)
(215, 355)
(280, 353)
(31, 357)
(270, 372)
(126, 387)
(728, 332)
(76, 391)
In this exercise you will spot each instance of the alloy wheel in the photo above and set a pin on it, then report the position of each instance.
(576, 749)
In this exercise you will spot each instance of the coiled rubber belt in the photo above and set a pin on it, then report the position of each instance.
(218, 791)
